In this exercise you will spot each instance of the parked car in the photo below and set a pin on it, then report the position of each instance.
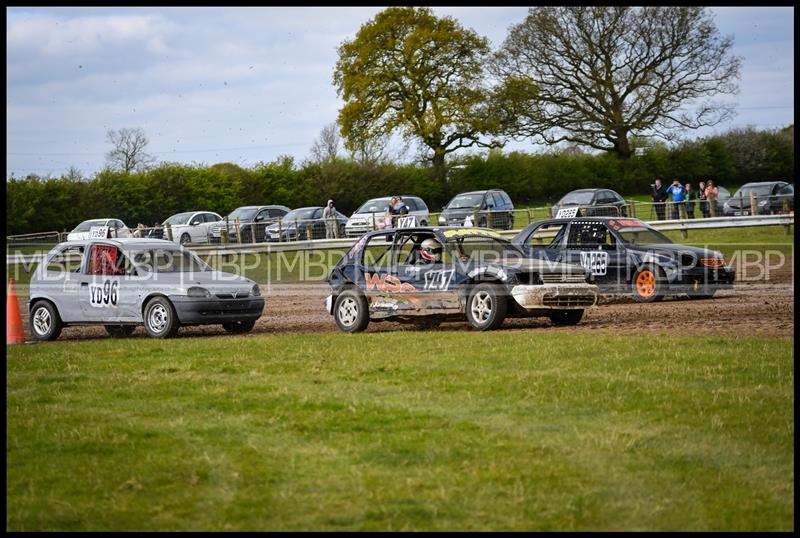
(253, 222)
(592, 202)
(193, 227)
(429, 274)
(495, 210)
(370, 216)
(123, 283)
(770, 198)
(116, 228)
(303, 223)
(628, 256)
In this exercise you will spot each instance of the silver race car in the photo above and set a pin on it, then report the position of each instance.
(122, 283)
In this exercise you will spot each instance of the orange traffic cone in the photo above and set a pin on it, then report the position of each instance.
(14, 332)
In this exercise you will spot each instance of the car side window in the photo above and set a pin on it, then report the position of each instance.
(377, 253)
(549, 235)
(588, 235)
(489, 200)
(197, 219)
(68, 260)
(106, 260)
(211, 217)
(262, 215)
(786, 189)
(421, 206)
(277, 212)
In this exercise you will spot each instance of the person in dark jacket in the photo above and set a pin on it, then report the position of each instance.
(659, 193)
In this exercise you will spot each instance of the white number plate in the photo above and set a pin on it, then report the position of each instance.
(595, 262)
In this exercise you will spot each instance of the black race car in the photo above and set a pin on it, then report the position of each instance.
(443, 272)
(626, 255)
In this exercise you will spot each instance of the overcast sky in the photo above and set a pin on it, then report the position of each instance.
(245, 85)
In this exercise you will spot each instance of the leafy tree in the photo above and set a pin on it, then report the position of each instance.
(411, 71)
(596, 75)
(128, 153)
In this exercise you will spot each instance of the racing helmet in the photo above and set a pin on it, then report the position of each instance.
(431, 250)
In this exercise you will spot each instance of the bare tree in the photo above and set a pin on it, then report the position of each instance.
(128, 153)
(326, 146)
(596, 75)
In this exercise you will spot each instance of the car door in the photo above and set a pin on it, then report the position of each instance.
(592, 245)
(423, 288)
(61, 278)
(101, 283)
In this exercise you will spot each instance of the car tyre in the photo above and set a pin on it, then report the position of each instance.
(160, 319)
(566, 317)
(486, 307)
(239, 327)
(45, 322)
(120, 331)
(351, 311)
(648, 284)
(185, 239)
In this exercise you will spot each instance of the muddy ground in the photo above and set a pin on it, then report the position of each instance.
(757, 308)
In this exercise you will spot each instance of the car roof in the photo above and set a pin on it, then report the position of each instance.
(481, 230)
(585, 219)
(260, 206)
(761, 183)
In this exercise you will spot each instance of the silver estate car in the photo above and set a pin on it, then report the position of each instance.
(122, 283)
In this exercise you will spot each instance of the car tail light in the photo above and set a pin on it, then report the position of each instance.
(712, 262)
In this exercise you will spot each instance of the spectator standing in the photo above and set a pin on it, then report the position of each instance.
(156, 232)
(711, 195)
(691, 196)
(659, 193)
(329, 216)
(701, 195)
(678, 194)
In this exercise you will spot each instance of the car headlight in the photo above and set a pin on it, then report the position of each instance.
(442, 220)
(763, 202)
(256, 291)
(197, 291)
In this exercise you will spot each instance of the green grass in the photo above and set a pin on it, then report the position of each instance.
(513, 430)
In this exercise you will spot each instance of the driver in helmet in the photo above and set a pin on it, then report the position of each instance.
(430, 251)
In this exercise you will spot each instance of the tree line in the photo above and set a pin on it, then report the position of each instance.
(39, 204)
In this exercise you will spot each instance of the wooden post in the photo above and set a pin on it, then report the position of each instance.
(475, 217)
(753, 203)
(684, 233)
(280, 229)
(786, 210)
(225, 236)
(169, 232)
(237, 223)
(633, 208)
(530, 215)
(682, 211)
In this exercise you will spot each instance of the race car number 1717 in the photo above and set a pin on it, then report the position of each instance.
(595, 262)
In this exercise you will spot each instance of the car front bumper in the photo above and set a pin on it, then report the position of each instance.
(193, 311)
(555, 296)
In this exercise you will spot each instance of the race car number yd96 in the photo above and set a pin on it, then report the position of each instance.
(105, 294)
(595, 262)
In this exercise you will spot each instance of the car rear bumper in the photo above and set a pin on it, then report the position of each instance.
(555, 296)
(206, 311)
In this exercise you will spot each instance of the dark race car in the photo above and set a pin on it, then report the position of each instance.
(445, 272)
(628, 256)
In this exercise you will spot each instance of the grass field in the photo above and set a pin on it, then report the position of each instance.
(418, 431)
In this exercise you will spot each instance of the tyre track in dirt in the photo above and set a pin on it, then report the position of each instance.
(749, 309)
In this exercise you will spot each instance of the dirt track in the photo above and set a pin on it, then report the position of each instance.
(748, 309)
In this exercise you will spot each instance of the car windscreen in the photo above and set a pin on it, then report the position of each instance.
(163, 260)
(180, 218)
(482, 249)
(378, 205)
(86, 225)
(463, 201)
(642, 236)
(299, 214)
(577, 198)
(243, 213)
